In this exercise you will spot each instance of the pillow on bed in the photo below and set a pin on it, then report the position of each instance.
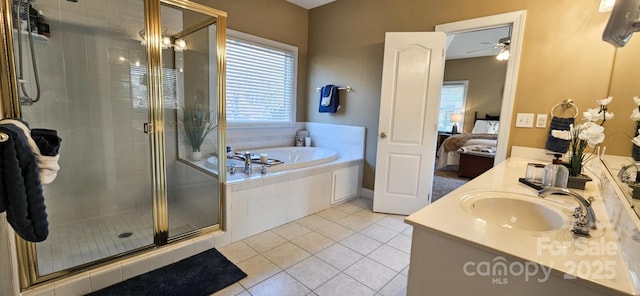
(486, 127)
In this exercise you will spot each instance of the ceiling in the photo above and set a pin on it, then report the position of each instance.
(475, 43)
(309, 4)
(465, 45)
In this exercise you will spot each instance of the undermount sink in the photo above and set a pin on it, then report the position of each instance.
(513, 210)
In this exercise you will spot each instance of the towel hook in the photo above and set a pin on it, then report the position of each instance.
(3, 137)
(565, 104)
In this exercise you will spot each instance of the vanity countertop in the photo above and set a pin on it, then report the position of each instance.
(597, 260)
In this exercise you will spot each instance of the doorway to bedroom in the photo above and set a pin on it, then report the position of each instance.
(470, 107)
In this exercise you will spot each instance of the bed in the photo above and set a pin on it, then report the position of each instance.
(481, 143)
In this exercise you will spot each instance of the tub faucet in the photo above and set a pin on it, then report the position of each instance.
(247, 163)
(584, 214)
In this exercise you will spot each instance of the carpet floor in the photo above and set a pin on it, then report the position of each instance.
(201, 274)
(444, 182)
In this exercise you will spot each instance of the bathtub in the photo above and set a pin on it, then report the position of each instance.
(291, 158)
(309, 180)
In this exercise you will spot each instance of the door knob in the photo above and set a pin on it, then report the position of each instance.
(383, 135)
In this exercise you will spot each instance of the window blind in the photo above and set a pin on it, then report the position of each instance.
(259, 83)
(452, 100)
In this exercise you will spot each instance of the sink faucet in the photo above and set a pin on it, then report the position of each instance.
(247, 163)
(625, 176)
(584, 222)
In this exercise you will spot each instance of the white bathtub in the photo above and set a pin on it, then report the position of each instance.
(292, 158)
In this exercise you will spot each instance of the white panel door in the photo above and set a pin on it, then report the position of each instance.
(412, 77)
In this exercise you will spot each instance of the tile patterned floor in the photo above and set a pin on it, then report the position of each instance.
(344, 250)
(74, 244)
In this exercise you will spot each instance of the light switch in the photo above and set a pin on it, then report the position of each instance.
(541, 120)
(524, 120)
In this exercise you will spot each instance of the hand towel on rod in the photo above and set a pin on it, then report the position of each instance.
(329, 99)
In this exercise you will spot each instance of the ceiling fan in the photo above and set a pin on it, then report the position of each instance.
(503, 44)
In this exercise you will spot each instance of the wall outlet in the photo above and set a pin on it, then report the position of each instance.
(524, 120)
(541, 120)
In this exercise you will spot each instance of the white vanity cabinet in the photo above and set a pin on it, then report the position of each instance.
(456, 252)
(344, 184)
(444, 265)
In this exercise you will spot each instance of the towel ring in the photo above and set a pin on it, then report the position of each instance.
(565, 104)
(3, 137)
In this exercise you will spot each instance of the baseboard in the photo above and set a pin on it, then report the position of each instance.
(366, 193)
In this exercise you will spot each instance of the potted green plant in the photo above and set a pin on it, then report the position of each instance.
(197, 123)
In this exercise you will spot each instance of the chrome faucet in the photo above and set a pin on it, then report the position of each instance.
(625, 177)
(584, 214)
(247, 163)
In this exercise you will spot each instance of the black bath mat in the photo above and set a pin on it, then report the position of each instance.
(201, 274)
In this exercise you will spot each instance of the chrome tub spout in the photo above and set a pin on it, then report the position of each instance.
(247, 163)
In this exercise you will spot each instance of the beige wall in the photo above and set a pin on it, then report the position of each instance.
(562, 56)
(486, 82)
(277, 20)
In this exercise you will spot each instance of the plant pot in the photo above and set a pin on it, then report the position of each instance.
(635, 189)
(636, 152)
(196, 155)
(578, 182)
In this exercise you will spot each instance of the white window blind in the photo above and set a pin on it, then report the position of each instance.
(452, 100)
(260, 83)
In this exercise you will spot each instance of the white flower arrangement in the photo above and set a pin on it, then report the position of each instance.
(588, 134)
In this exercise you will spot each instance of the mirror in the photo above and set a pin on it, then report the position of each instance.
(623, 87)
(625, 172)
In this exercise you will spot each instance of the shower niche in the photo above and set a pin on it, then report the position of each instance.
(114, 79)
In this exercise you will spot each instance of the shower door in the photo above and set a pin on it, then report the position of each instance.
(192, 194)
(84, 86)
(114, 77)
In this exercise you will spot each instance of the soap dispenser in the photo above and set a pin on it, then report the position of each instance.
(555, 174)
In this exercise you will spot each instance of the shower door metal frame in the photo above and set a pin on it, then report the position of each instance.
(9, 100)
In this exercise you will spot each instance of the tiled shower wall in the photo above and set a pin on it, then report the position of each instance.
(94, 95)
(84, 71)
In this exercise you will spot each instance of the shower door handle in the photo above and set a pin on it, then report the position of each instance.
(147, 127)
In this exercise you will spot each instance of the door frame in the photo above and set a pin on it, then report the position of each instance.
(517, 20)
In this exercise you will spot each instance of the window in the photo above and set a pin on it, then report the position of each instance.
(261, 80)
(452, 100)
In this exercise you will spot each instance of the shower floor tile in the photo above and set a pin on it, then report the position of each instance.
(75, 244)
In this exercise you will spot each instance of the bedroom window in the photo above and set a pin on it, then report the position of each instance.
(452, 100)
(261, 80)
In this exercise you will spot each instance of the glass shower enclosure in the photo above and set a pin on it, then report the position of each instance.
(122, 82)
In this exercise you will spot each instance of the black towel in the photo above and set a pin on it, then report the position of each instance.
(559, 145)
(47, 140)
(21, 194)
